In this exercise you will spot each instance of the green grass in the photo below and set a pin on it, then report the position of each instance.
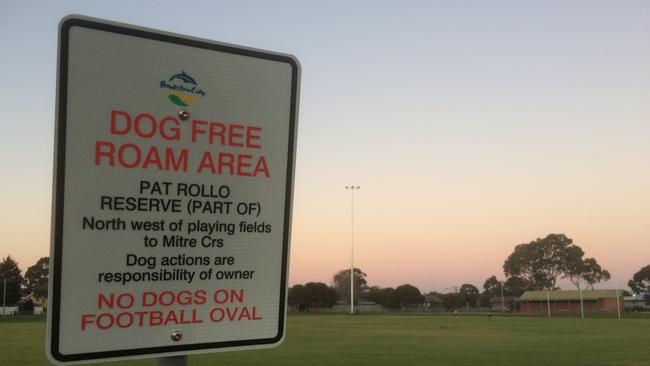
(406, 340)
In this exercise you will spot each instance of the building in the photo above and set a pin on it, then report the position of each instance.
(568, 302)
(637, 302)
(433, 300)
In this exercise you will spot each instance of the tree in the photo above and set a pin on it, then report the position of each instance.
(515, 286)
(385, 296)
(319, 294)
(594, 273)
(469, 294)
(492, 286)
(584, 271)
(36, 278)
(312, 294)
(409, 295)
(297, 297)
(452, 301)
(640, 281)
(543, 261)
(341, 283)
(389, 298)
(484, 300)
(373, 294)
(10, 272)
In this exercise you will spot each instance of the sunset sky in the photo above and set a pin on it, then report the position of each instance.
(470, 126)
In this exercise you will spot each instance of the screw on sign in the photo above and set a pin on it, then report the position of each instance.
(183, 114)
(177, 335)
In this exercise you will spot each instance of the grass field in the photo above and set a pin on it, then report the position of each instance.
(405, 340)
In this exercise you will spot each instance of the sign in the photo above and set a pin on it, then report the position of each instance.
(174, 164)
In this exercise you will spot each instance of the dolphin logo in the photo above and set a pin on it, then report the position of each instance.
(184, 78)
(182, 89)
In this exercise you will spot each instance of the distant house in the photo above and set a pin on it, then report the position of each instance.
(637, 302)
(502, 304)
(8, 310)
(432, 300)
(568, 302)
(362, 306)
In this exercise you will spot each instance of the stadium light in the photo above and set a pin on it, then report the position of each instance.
(352, 189)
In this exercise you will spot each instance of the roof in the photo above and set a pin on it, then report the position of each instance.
(366, 302)
(638, 297)
(568, 295)
(497, 299)
(633, 299)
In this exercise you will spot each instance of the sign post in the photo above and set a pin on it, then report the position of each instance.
(173, 183)
(172, 361)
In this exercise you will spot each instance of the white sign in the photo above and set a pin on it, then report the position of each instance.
(172, 194)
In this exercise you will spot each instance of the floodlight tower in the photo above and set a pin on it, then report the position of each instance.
(352, 189)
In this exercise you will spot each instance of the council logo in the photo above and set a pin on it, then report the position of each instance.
(182, 89)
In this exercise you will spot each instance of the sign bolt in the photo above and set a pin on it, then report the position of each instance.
(177, 335)
(183, 114)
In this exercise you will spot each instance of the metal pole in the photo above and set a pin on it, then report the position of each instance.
(618, 304)
(548, 304)
(4, 299)
(582, 310)
(352, 189)
(503, 303)
(352, 255)
(172, 361)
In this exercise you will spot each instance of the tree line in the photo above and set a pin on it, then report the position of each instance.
(536, 265)
(17, 286)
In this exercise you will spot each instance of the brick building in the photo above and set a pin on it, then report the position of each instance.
(568, 302)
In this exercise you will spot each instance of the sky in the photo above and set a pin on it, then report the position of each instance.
(470, 127)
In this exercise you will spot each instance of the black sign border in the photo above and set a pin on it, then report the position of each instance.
(64, 32)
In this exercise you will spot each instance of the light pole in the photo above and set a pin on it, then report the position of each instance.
(352, 189)
(4, 299)
(548, 304)
(582, 309)
(618, 301)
